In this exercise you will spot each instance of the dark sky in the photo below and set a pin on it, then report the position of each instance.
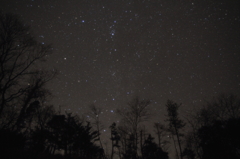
(109, 51)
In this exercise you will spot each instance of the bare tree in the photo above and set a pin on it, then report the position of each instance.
(34, 97)
(161, 132)
(124, 133)
(220, 108)
(95, 113)
(133, 115)
(175, 124)
(19, 57)
(43, 115)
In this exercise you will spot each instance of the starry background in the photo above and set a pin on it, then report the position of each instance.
(109, 51)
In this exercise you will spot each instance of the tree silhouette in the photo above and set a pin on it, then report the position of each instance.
(84, 143)
(221, 139)
(130, 150)
(188, 153)
(124, 134)
(152, 151)
(95, 114)
(69, 134)
(24, 116)
(136, 113)
(175, 124)
(56, 132)
(21, 83)
(115, 138)
(19, 52)
(161, 132)
(213, 119)
(223, 107)
(12, 144)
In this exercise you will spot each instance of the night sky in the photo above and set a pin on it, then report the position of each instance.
(109, 51)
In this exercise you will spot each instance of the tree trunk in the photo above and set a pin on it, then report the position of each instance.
(141, 145)
(179, 144)
(175, 146)
(112, 146)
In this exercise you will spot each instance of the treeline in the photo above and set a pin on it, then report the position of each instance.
(30, 128)
(212, 132)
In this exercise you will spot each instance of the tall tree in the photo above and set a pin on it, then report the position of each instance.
(95, 115)
(115, 138)
(21, 79)
(124, 133)
(133, 115)
(33, 99)
(213, 118)
(175, 123)
(161, 132)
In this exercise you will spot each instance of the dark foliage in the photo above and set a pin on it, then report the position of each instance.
(28, 127)
(188, 153)
(221, 139)
(11, 144)
(215, 129)
(115, 138)
(64, 133)
(151, 150)
(130, 152)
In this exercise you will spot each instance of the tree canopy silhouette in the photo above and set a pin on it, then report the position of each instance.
(22, 81)
(152, 151)
(221, 139)
(133, 116)
(215, 129)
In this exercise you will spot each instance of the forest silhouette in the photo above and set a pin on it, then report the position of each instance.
(30, 128)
